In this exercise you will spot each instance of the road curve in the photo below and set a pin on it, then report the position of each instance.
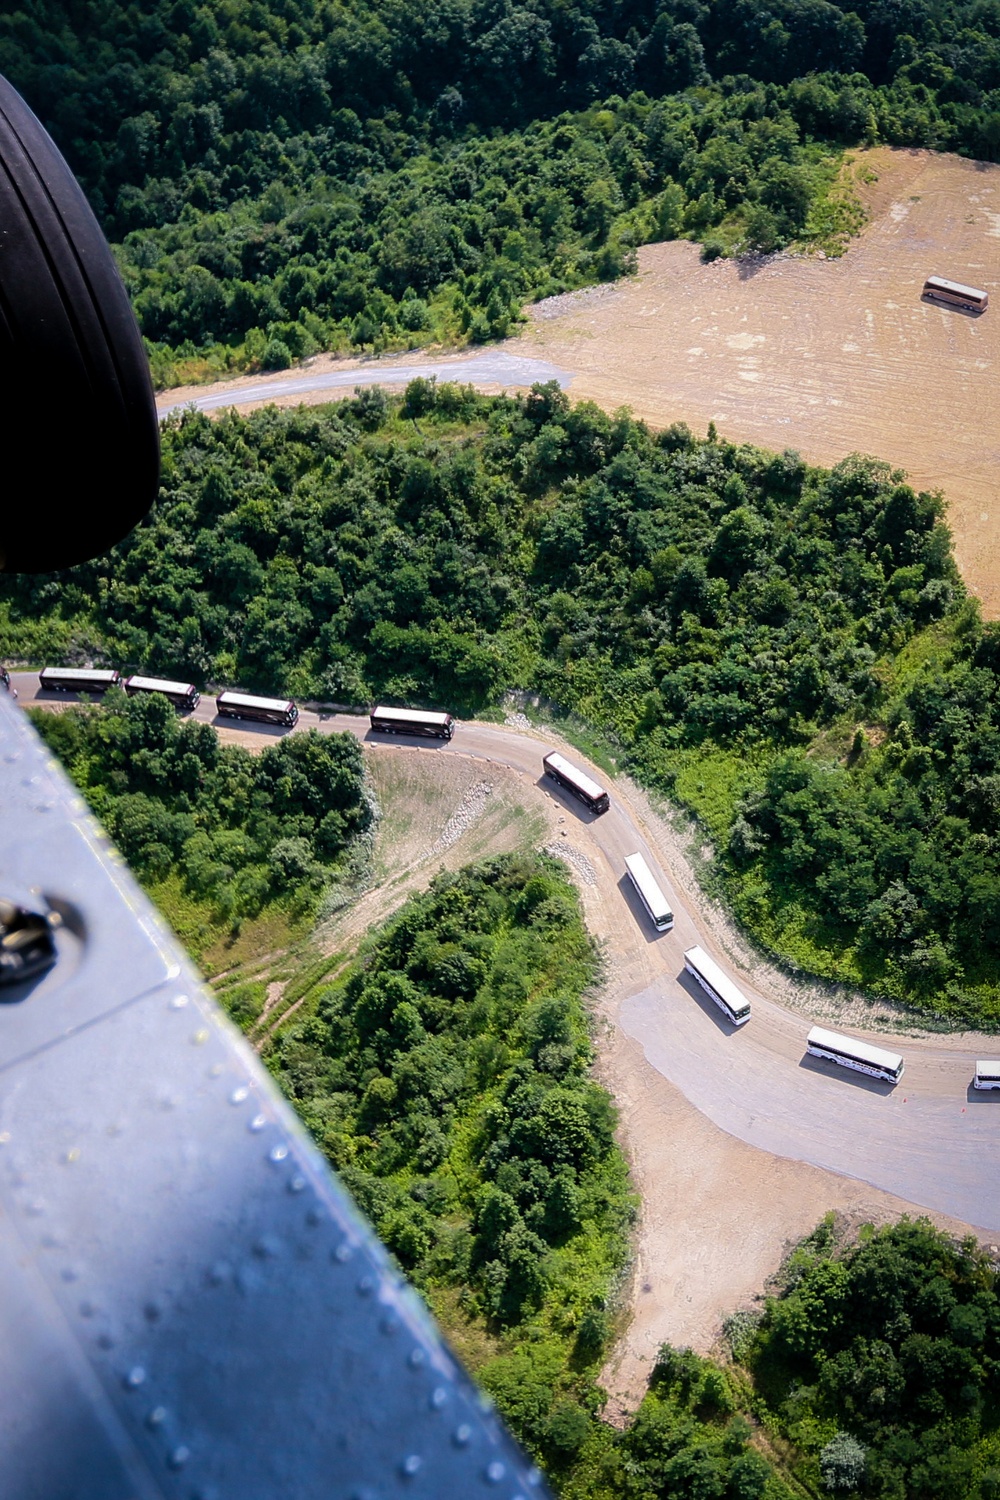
(490, 369)
(932, 1140)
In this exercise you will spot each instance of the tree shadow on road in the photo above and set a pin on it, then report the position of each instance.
(750, 265)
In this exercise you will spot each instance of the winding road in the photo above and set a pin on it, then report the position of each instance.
(489, 370)
(931, 1140)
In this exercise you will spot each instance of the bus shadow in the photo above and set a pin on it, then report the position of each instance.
(67, 699)
(955, 307)
(722, 1023)
(640, 913)
(982, 1096)
(846, 1075)
(408, 741)
(566, 799)
(250, 726)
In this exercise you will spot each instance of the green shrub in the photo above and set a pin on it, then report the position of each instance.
(276, 356)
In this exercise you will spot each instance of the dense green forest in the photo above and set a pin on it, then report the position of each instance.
(218, 835)
(786, 650)
(881, 1364)
(292, 175)
(445, 1075)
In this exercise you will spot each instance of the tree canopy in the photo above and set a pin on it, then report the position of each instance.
(288, 176)
(880, 1361)
(236, 831)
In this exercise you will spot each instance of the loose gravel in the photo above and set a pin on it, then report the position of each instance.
(577, 861)
(567, 302)
(468, 812)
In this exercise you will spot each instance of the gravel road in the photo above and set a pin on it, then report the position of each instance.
(492, 369)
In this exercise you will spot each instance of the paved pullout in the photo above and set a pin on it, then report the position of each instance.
(931, 1140)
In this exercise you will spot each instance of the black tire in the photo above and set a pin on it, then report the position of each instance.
(80, 433)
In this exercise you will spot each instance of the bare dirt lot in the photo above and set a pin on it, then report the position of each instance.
(826, 356)
(438, 813)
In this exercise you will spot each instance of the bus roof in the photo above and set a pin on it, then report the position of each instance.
(583, 781)
(941, 283)
(988, 1068)
(644, 878)
(249, 700)
(87, 674)
(159, 685)
(721, 983)
(863, 1051)
(411, 715)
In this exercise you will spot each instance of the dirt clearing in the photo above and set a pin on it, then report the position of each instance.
(826, 356)
(716, 1221)
(439, 812)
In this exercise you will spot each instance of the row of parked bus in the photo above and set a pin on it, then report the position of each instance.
(183, 695)
(876, 1061)
(95, 681)
(846, 1052)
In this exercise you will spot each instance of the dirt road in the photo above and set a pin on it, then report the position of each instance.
(738, 1143)
(328, 379)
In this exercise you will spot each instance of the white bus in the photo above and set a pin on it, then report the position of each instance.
(938, 289)
(183, 695)
(412, 721)
(987, 1075)
(576, 781)
(264, 710)
(848, 1053)
(78, 679)
(649, 892)
(727, 996)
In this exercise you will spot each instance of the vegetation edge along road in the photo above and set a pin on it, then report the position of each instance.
(935, 1153)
